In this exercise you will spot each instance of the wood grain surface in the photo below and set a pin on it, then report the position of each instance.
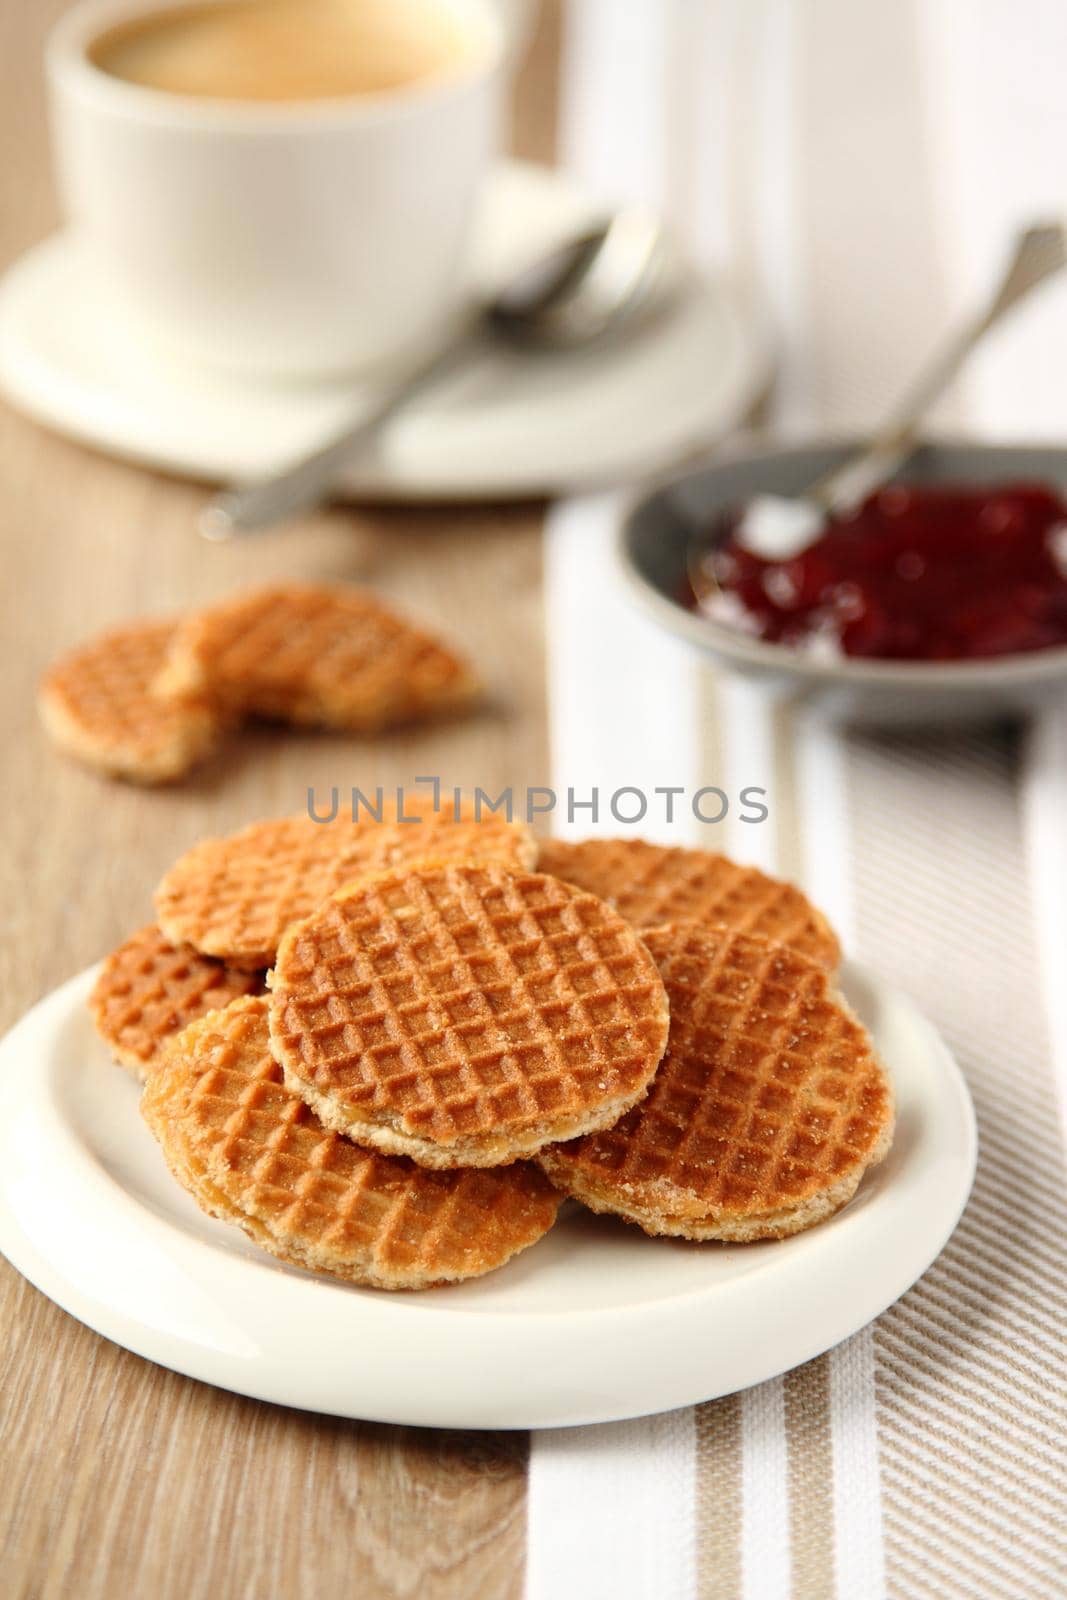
(118, 1478)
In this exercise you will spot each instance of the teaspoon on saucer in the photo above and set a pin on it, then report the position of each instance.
(581, 293)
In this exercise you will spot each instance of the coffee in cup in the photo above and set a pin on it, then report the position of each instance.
(277, 50)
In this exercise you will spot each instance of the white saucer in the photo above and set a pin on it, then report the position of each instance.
(512, 426)
(594, 1323)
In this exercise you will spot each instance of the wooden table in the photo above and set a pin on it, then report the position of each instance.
(118, 1478)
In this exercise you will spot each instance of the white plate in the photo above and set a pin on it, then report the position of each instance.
(513, 425)
(594, 1323)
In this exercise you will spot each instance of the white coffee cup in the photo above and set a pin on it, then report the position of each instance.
(284, 237)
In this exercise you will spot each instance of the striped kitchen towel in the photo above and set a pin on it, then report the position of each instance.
(863, 165)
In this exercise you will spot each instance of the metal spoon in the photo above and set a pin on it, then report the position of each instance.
(778, 527)
(580, 293)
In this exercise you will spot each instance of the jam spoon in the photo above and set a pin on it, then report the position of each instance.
(778, 526)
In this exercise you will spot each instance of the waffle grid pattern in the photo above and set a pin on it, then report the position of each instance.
(234, 897)
(315, 654)
(654, 884)
(466, 1001)
(149, 990)
(325, 1201)
(769, 1092)
(98, 703)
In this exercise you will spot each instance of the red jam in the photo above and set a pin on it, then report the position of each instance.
(918, 574)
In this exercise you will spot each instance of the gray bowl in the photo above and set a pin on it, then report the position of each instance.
(654, 543)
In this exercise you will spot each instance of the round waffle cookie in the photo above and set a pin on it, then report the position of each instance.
(252, 1153)
(652, 884)
(317, 655)
(234, 897)
(769, 1106)
(466, 1015)
(148, 990)
(97, 704)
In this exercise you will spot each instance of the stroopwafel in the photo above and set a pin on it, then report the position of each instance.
(466, 1015)
(234, 897)
(317, 655)
(149, 990)
(97, 704)
(652, 884)
(767, 1110)
(252, 1153)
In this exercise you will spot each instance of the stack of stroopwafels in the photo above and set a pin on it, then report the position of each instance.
(388, 1050)
(150, 700)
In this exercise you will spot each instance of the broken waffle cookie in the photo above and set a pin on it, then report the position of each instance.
(234, 897)
(97, 704)
(317, 655)
(252, 1153)
(767, 1110)
(466, 1015)
(652, 884)
(149, 990)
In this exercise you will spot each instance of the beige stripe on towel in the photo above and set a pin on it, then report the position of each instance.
(971, 1383)
(718, 1499)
